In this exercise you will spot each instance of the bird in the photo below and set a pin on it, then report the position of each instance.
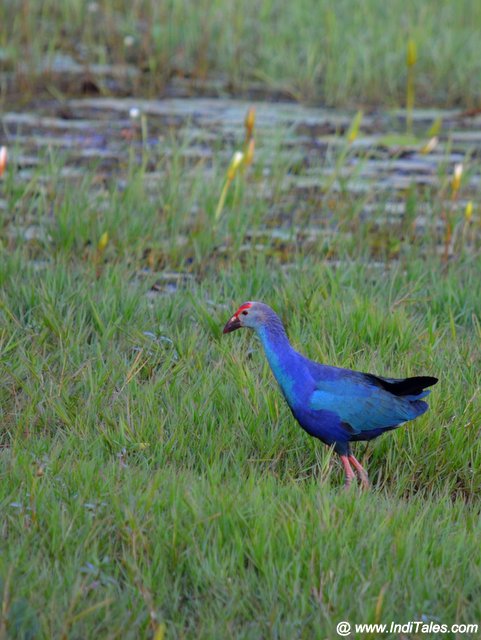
(338, 406)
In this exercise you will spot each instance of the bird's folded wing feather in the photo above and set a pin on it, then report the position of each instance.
(359, 404)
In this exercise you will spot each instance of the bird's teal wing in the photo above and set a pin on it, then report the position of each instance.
(362, 405)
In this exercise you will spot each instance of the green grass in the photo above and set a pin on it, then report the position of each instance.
(338, 53)
(150, 471)
(146, 480)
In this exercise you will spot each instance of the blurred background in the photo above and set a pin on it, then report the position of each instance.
(161, 162)
(377, 102)
(330, 53)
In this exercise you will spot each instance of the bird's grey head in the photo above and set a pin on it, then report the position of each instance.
(253, 315)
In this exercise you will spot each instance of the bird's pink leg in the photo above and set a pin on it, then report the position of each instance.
(361, 471)
(348, 469)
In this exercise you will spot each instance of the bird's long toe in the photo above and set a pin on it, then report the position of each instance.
(361, 471)
(350, 475)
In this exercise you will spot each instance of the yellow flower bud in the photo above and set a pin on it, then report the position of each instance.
(468, 213)
(456, 181)
(431, 144)
(235, 163)
(3, 159)
(103, 242)
(411, 53)
(249, 122)
(249, 154)
(160, 632)
(353, 131)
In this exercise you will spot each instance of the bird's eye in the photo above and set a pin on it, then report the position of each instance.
(244, 313)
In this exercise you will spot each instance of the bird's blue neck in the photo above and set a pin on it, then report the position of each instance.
(273, 336)
(282, 358)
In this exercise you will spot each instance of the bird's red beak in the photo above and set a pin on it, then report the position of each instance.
(233, 324)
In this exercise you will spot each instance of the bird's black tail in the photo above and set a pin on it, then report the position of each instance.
(412, 387)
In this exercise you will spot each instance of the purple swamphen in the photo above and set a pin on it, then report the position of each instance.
(336, 405)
